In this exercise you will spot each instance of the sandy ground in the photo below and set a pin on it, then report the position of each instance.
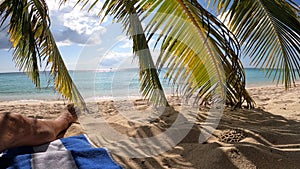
(265, 137)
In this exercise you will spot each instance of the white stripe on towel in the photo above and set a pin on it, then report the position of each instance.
(53, 155)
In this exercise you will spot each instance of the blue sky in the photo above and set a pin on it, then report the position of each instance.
(83, 42)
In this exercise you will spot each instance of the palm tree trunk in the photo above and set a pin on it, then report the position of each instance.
(148, 72)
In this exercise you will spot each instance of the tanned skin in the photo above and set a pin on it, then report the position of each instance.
(18, 130)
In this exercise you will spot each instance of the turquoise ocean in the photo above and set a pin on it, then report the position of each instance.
(93, 85)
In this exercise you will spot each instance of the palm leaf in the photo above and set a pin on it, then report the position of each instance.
(199, 51)
(23, 39)
(269, 37)
(150, 82)
(196, 47)
(125, 12)
(33, 43)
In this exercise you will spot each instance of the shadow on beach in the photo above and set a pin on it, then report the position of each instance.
(269, 141)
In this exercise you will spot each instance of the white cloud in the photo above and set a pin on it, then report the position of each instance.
(70, 25)
(127, 44)
(109, 60)
(117, 60)
(121, 37)
(73, 25)
(64, 43)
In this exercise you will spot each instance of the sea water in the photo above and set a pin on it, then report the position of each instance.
(92, 85)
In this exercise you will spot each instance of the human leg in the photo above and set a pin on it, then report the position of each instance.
(18, 130)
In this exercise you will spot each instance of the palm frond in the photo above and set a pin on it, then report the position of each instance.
(150, 83)
(33, 43)
(201, 54)
(269, 37)
(124, 11)
(199, 51)
(25, 26)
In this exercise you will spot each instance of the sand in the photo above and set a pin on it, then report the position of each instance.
(265, 137)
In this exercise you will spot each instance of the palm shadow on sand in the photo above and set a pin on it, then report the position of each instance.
(270, 141)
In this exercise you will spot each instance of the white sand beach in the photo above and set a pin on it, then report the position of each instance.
(265, 137)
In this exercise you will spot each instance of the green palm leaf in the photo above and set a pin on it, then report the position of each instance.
(150, 82)
(269, 31)
(33, 43)
(199, 51)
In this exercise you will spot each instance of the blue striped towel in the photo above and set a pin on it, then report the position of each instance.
(66, 153)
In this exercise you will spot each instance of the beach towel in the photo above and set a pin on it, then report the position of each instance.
(66, 153)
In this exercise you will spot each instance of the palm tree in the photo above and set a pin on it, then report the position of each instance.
(195, 45)
(33, 43)
(200, 52)
(150, 83)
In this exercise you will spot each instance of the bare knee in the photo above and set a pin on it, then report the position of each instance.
(12, 128)
(11, 123)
